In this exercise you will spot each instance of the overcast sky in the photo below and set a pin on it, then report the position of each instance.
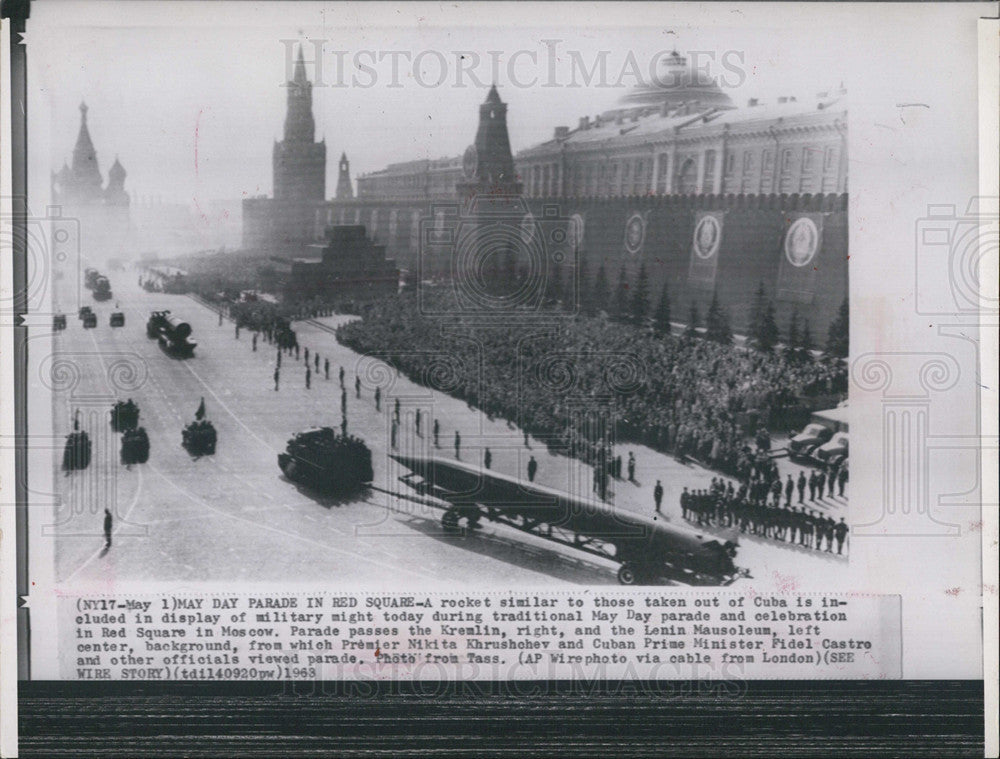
(193, 110)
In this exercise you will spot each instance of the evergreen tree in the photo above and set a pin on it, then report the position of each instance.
(640, 296)
(691, 330)
(661, 319)
(619, 308)
(838, 338)
(600, 295)
(806, 340)
(794, 333)
(767, 335)
(757, 313)
(717, 323)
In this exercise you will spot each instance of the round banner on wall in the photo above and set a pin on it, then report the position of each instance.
(801, 241)
(707, 237)
(635, 233)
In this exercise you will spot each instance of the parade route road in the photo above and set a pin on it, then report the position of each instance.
(233, 517)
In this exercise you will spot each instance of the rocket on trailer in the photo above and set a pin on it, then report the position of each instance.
(649, 551)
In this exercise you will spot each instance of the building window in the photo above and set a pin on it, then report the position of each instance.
(786, 160)
(807, 159)
(687, 182)
(828, 158)
(747, 162)
(661, 180)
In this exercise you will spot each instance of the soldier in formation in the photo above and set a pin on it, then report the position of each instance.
(749, 510)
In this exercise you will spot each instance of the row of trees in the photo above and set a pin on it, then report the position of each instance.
(629, 303)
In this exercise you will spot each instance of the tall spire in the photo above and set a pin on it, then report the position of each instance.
(299, 77)
(299, 161)
(345, 190)
(299, 124)
(489, 162)
(85, 171)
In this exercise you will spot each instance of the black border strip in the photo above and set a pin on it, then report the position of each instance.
(16, 12)
(543, 718)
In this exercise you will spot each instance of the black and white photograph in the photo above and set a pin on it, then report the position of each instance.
(419, 327)
(499, 342)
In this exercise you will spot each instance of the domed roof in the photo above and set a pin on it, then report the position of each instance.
(676, 83)
(117, 171)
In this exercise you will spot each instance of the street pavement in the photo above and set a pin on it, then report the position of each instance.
(235, 517)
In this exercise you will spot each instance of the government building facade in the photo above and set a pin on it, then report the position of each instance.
(705, 196)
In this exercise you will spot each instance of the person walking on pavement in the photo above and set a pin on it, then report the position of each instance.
(277, 377)
(658, 495)
(802, 486)
(326, 368)
(306, 354)
(789, 490)
(316, 361)
(487, 458)
(812, 486)
(631, 466)
(107, 529)
(308, 378)
(254, 342)
(841, 479)
(532, 468)
(341, 377)
(820, 484)
(458, 445)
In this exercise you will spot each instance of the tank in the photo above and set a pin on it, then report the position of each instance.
(135, 447)
(124, 416)
(76, 453)
(327, 461)
(199, 438)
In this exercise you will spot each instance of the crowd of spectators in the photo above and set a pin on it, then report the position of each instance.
(577, 384)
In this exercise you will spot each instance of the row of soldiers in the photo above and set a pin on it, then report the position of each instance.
(724, 506)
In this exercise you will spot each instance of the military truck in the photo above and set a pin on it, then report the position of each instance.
(172, 333)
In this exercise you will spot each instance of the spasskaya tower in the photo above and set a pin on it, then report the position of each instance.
(299, 161)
